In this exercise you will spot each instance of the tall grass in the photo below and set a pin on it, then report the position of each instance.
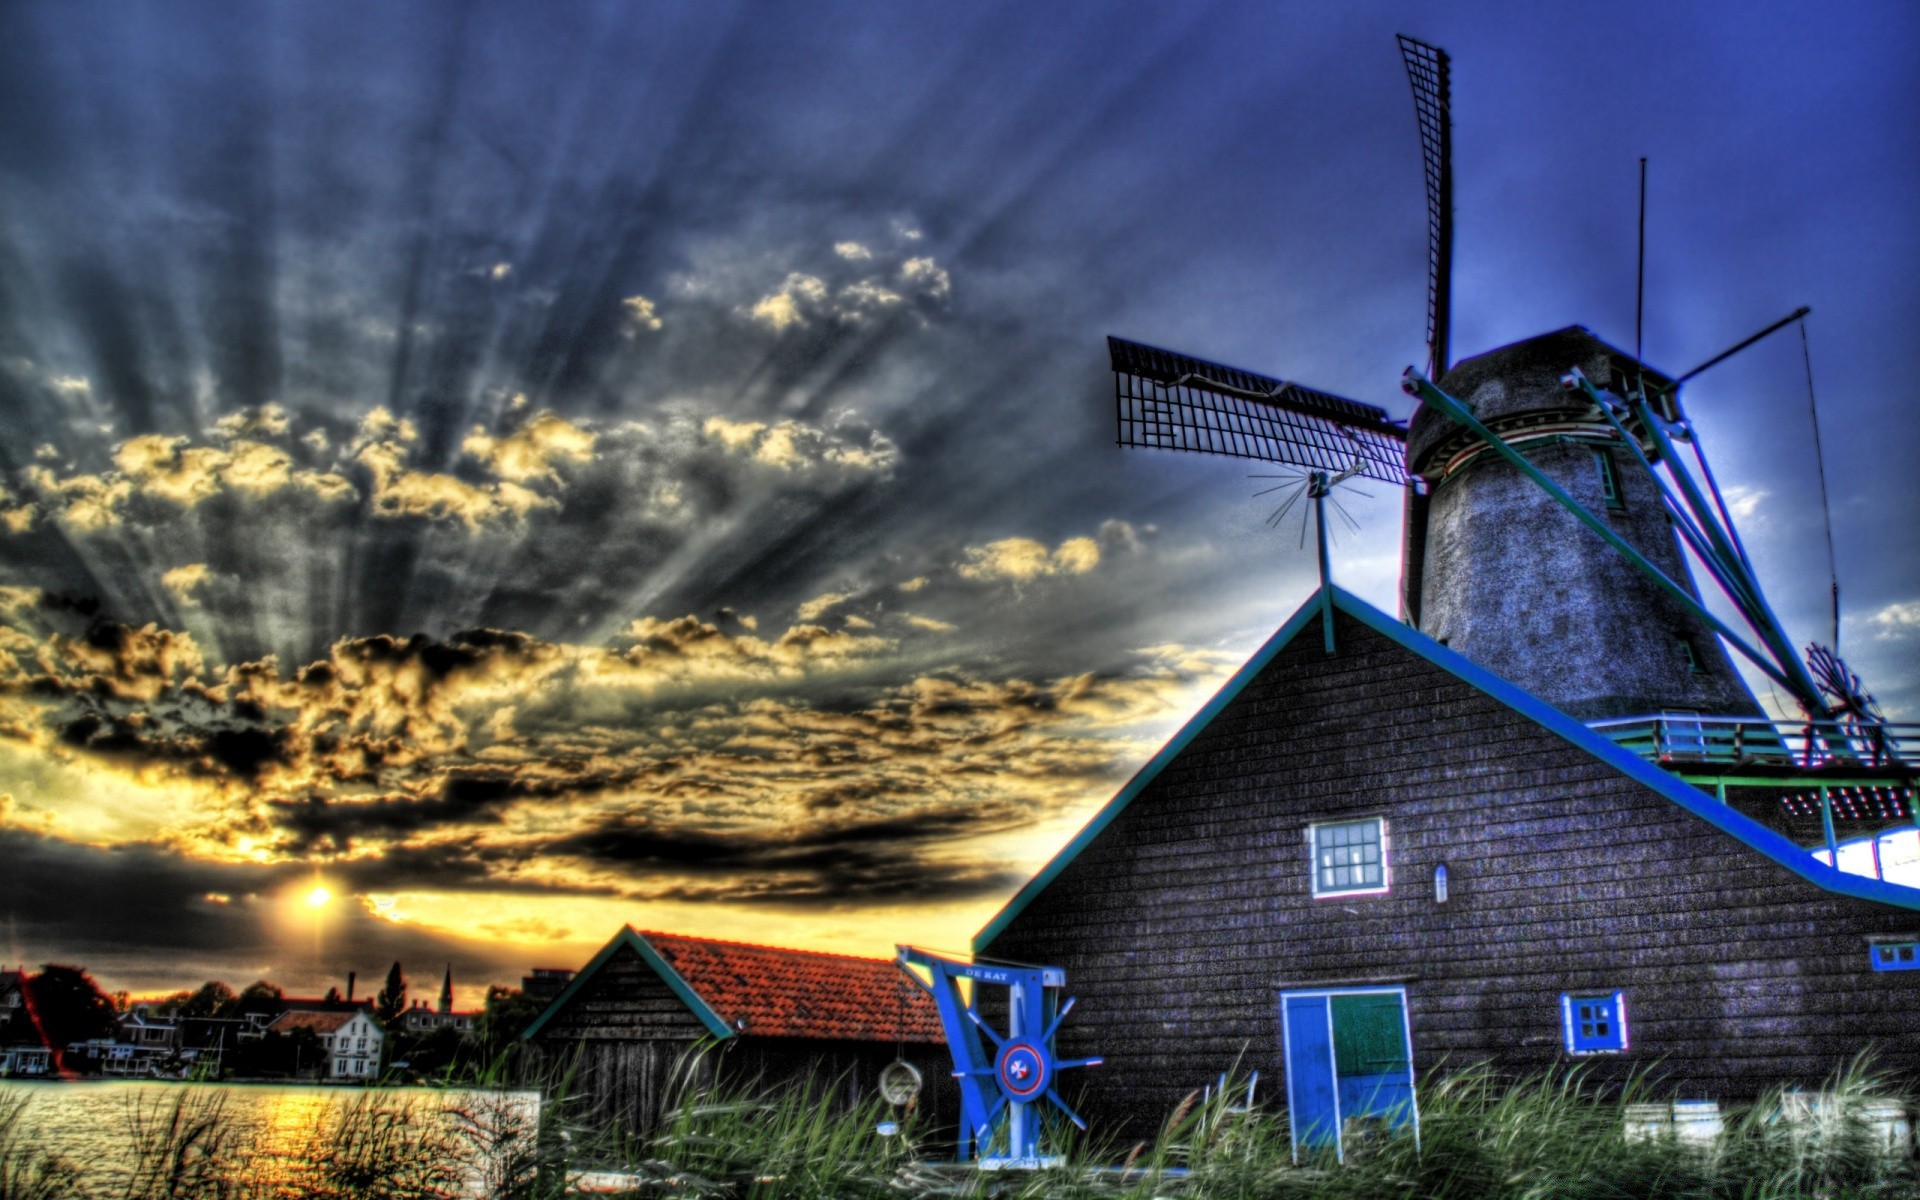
(1556, 1136)
(28, 1171)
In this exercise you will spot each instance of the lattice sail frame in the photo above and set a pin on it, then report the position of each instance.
(1169, 401)
(1429, 74)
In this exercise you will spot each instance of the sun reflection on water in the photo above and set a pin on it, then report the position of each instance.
(269, 1138)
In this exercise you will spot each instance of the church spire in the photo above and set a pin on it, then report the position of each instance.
(446, 991)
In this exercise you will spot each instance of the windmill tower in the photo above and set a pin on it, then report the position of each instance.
(1499, 571)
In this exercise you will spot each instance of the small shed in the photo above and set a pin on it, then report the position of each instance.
(1354, 865)
(629, 1020)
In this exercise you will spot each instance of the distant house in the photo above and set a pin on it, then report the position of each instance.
(544, 983)
(24, 1052)
(138, 1026)
(205, 1042)
(1369, 856)
(779, 1017)
(352, 1040)
(421, 1020)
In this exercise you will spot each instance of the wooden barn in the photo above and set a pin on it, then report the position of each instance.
(764, 1016)
(1360, 862)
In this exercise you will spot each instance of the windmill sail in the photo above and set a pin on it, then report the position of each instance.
(1427, 71)
(1170, 401)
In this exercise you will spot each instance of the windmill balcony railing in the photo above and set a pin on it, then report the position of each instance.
(1688, 740)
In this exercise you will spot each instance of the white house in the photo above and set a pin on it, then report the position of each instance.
(352, 1040)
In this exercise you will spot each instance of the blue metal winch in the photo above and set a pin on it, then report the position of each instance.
(1022, 1068)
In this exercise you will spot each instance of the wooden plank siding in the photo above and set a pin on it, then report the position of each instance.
(1180, 923)
(624, 1043)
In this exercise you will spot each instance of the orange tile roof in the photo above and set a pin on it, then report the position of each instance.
(767, 991)
(319, 1022)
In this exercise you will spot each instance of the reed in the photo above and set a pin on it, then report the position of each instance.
(1557, 1136)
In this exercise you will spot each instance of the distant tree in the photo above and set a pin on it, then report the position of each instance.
(165, 1006)
(257, 997)
(392, 1000)
(508, 1013)
(332, 996)
(70, 1005)
(212, 998)
(122, 1001)
(441, 1053)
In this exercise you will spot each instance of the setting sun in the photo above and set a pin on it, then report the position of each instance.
(319, 897)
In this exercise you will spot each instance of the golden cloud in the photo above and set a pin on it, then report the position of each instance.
(1020, 560)
(496, 759)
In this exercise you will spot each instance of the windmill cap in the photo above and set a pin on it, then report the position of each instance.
(1521, 378)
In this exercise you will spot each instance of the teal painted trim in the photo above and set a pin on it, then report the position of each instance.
(1113, 808)
(1722, 817)
(1728, 820)
(716, 1025)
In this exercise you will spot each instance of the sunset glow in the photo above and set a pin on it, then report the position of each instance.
(478, 476)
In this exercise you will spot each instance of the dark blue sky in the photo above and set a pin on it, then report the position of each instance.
(742, 366)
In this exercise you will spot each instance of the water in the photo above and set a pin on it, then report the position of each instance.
(270, 1131)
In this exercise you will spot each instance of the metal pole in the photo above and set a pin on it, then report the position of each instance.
(1826, 822)
(1640, 275)
(1416, 384)
(1317, 489)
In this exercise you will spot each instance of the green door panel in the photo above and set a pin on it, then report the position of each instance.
(1369, 1036)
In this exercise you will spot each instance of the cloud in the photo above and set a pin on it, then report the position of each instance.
(821, 605)
(928, 624)
(1020, 560)
(790, 304)
(1897, 620)
(835, 294)
(201, 920)
(532, 451)
(796, 447)
(1744, 501)
(641, 313)
(927, 277)
(181, 581)
(474, 761)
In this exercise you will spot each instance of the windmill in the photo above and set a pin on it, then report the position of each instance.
(1546, 504)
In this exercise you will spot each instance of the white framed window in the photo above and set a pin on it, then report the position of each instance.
(1349, 858)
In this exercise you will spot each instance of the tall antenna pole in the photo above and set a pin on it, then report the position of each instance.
(1317, 489)
(1640, 275)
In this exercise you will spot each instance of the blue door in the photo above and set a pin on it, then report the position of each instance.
(1313, 1111)
(1348, 1056)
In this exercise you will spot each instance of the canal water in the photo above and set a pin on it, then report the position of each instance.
(274, 1135)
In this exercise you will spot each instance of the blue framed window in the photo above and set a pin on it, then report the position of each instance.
(1349, 857)
(1896, 956)
(1594, 1024)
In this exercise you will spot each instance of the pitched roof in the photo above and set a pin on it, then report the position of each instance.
(1724, 817)
(768, 991)
(304, 1018)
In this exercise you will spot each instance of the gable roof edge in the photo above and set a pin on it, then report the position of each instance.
(1146, 775)
(1724, 818)
(715, 1023)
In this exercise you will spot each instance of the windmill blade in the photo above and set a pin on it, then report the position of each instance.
(1170, 401)
(1428, 72)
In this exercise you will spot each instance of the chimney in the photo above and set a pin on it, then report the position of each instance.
(349, 987)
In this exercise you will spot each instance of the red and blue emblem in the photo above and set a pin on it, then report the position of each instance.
(1023, 1070)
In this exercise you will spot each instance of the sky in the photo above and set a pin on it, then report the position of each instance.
(529, 469)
